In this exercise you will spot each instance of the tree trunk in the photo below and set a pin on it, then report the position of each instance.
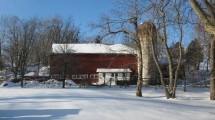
(169, 58)
(139, 89)
(63, 83)
(185, 85)
(1, 62)
(22, 81)
(160, 71)
(212, 69)
(208, 19)
(139, 66)
(64, 72)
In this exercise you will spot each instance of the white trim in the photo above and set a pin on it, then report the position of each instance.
(114, 70)
(80, 76)
(93, 76)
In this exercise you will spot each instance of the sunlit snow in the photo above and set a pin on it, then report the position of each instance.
(104, 103)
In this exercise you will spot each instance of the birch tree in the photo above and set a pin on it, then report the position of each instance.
(163, 17)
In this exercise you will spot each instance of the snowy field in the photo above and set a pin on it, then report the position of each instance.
(103, 103)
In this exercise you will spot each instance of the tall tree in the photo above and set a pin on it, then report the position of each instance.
(21, 36)
(204, 39)
(206, 14)
(165, 20)
(194, 54)
(53, 30)
(124, 21)
(174, 51)
(65, 52)
(2, 40)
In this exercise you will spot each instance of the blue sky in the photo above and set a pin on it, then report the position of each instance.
(82, 11)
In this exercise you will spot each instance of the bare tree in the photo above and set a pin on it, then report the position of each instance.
(204, 39)
(2, 40)
(20, 36)
(164, 20)
(194, 55)
(29, 41)
(125, 21)
(65, 52)
(12, 50)
(206, 14)
(28, 38)
(54, 30)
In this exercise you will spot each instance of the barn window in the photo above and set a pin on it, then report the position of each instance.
(96, 76)
(116, 74)
(123, 74)
(104, 74)
(93, 76)
(78, 77)
(84, 76)
(74, 76)
(112, 74)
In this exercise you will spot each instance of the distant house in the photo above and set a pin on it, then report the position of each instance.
(93, 63)
(35, 74)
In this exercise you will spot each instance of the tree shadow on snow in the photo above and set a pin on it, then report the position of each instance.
(43, 114)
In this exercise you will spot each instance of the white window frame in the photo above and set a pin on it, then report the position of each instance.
(112, 74)
(84, 76)
(74, 76)
(116, 75)
(124, 74)
(78, 77)
(93, 76)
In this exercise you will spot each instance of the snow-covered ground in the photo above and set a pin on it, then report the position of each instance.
(104, 103)
(51, 83)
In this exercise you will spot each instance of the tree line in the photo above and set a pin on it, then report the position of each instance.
(29, 41)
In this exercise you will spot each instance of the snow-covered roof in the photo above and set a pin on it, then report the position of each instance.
(114, 70)
(92, 48)
(30, 74)
(43, 71)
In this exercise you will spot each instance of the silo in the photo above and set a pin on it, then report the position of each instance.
(147, 33)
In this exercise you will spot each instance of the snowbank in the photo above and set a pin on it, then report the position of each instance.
(70, 83)
(52, 83)
(8, 84)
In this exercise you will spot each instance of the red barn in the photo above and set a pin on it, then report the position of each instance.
(93, 63)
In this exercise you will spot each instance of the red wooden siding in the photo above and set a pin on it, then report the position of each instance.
(88, 64)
